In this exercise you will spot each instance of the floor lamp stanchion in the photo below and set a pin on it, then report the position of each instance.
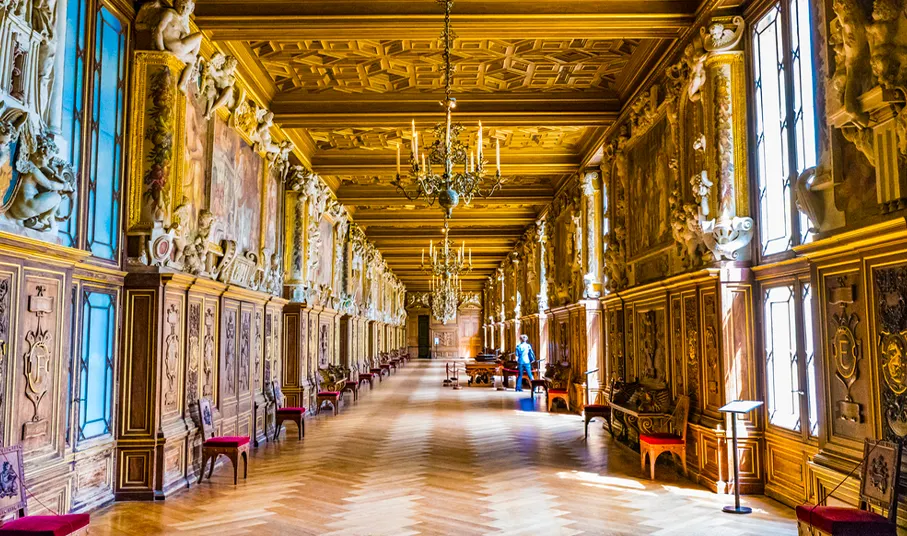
(737, 407)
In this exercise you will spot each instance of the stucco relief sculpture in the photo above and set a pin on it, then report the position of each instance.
(865, 91)
(170, 32)
(45, 184)
(218, 81)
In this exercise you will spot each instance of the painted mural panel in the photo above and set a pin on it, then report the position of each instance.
(272, 212)
(195, 173)
(649, 184)
(236, 187)
(325, 253)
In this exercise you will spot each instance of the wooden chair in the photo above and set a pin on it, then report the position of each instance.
(539, 380)
(351, 385)
(330, 394)
(879, 488)
(675, 442)
(375, 368)
(281, 414)
(591, 411)
(13, 499)
(232, 447)
(369, 377)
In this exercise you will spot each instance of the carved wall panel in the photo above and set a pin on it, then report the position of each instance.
(173, 351)
(229, 366)
(39, 368)
(843, 331)
(7, 321)
(692, 350)
(711, 352)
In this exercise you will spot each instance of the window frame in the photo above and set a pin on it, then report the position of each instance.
(753, 15)
(804, 331)
(125, 14)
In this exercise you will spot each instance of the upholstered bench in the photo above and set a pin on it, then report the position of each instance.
(13, 498)
(841, 521)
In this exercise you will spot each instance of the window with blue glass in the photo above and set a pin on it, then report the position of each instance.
(73, 97)
(96, 364)
(108, 79)
(785, 120)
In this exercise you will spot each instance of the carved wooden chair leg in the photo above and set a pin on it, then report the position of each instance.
(213, 463)
(235, 459)
(201, 473)
(642, 461)
(245, 465)
(652, 459)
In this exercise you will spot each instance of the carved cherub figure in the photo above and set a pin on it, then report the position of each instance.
(262, 134)
(178, 230)
(44, 182)
(171, 33)
(218, 82)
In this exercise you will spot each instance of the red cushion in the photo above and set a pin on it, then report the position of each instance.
(351, 382)
(558, 391)
(45, 525)
(291, 410)
(328, 393)
(511, 371)
(366, 374)
(226, 441)
(597, 407)
(661, 439)
(838, 520)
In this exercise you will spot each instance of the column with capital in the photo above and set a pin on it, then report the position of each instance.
(592, 198)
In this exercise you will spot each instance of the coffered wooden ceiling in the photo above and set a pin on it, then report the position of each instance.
(545, 77)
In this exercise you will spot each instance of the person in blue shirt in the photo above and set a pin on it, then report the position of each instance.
(524, 358)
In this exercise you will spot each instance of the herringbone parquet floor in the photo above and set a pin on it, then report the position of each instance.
(413, 457)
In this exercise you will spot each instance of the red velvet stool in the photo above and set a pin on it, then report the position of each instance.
(13, 499)
(281, 414)
(557, 394)
(878, 487)
(233, 447)
(353, 387)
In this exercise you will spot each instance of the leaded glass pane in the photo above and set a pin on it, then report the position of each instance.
(782, 374)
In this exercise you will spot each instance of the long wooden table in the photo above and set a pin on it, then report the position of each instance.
(482, 374)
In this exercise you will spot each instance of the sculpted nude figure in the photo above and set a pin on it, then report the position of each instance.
(43, 184)
(170, 31)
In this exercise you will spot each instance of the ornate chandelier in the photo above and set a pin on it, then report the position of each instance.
(462, 169)
(446, 264)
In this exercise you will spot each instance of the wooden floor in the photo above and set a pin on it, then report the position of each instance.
(413, 457)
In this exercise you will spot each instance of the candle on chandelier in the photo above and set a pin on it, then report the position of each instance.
(414, 140)
(398, 159)
(470, 257)
(423, 256)
(431, 248)
(479, 144)
(423, 161)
